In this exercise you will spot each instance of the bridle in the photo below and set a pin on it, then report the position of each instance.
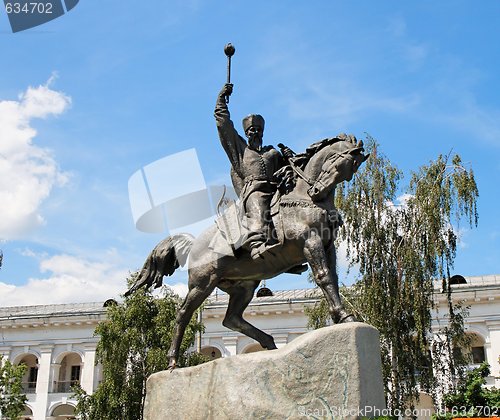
(331, 163)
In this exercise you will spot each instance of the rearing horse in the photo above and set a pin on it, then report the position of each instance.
(306, 223)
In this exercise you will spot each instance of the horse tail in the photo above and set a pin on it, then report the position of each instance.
(163, 260)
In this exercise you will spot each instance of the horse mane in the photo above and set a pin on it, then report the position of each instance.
(301, 159)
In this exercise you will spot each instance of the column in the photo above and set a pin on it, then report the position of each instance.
(54, 375)
(230, 344)
(492, 350)
(280, 339)
(43, 383)
(87, 379)
(5, 352)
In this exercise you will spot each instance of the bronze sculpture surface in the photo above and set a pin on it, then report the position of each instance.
(253, 168)
(301, 217)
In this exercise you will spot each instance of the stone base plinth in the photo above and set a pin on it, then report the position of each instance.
(332, 373)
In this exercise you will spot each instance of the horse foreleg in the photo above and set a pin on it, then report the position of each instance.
(193, 301)
(324, 271)
(240, 295)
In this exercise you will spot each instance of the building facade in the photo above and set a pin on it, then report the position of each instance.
(57, 343)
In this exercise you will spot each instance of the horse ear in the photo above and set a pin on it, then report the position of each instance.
(366, 157)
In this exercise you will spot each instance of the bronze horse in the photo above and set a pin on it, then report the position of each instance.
(306, 223)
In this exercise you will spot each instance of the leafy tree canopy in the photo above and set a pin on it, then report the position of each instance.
(472, 398)
(12, 397)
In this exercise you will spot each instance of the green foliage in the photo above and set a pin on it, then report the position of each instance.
(134, 341)
(12, 398)
(317, 315)
(452, 340)
(471, 398)
(401, 240)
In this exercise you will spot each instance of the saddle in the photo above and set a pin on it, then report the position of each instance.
(233, 229)
(232, 232)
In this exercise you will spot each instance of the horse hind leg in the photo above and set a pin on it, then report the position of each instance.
(193, 300)
(240, 295)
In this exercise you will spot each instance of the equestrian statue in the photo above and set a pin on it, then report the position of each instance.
(285, 218)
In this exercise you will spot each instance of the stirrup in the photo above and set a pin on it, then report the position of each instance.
(256, 252)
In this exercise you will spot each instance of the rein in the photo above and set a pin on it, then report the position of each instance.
(302, 174)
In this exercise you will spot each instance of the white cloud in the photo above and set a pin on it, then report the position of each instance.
(347, 274)
(73, 279)
(180, 289)
(69, 279)
(401, 203)
(27, 172)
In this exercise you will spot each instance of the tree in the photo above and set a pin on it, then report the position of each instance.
(402, 240)
(133, 344)
(471, 398)
(12, 398)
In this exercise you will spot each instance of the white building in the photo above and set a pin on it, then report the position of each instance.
(56, 342)
(57, 345)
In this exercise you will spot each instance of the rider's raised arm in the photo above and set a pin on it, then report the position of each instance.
(231, 141)
(221, 113)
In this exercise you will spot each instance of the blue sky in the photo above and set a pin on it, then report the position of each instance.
(88, 99)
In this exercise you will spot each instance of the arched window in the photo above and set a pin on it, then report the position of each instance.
(31, 375)
(477, 353)
(69, 373)
(212, 352)
(64, 412)
(27, 413)
(253, 348)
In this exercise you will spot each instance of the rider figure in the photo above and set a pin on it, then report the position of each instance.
(252, 170)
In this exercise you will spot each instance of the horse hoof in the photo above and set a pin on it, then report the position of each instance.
(347, 318)
(340, 316)
(270, 344)
(171, 365)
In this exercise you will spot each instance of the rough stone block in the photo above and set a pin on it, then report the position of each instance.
(332, 373)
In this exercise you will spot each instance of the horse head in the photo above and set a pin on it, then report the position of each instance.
(338, 160)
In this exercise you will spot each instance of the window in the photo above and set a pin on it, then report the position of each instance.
(32, 377)
(75, 373)
(478, 355)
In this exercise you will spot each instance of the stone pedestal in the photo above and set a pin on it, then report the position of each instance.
(331, 373)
